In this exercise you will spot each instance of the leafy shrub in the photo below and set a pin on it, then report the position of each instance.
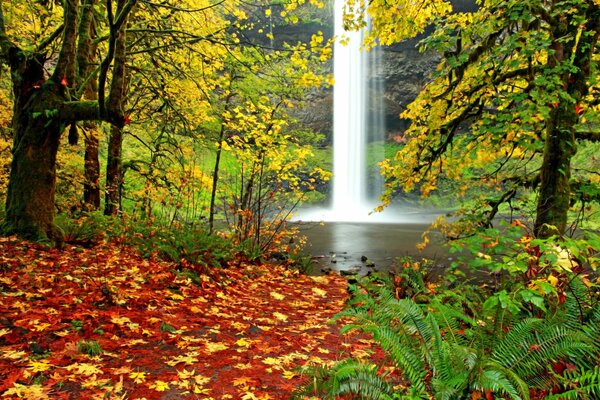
(532, 333)
(89, 228)
(190, 246)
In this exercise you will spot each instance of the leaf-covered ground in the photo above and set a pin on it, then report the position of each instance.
(104, 323)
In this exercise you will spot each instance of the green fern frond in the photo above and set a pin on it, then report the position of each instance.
(584, 385)
(407, 359)
(499, 379)
(349, 376)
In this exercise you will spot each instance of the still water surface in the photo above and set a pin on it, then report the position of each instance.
(346, 243)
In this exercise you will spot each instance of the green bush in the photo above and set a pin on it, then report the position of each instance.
(532, 332)
(89, 228)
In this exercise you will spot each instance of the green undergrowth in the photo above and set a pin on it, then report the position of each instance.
(528, 330)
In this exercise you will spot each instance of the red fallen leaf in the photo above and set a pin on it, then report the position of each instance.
(559, 367)
(489, 395)
(534, 347)
(126, 120)
(63, 81)
(10, 380)
(578, 109)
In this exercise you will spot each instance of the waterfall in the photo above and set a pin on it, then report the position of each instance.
(357, 120)
(358, 123)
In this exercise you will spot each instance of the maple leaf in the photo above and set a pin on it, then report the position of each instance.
(32, 392)
(84, 369)
(13, 354)
(185, 374)
(201, 380)
(277, 296)
(214, 347)
(280, 316)
(138, 377)
(159, 386)
(242, 381)
(39, 366)
(289, 374)
(243, 342)
(271, 361)
(243, 366)
(188, 359)
(120, 320)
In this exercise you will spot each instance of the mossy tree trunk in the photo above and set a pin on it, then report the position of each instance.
(114, 164)
(560, 146)
(42, 111)
(86, 62)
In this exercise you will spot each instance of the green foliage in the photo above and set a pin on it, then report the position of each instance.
(90, 347)
(584, 385)
(188, 246)
(509, 338)
(89, 228)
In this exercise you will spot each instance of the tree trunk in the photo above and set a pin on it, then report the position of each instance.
(555, 190)
(91, 184)
(113, 172)
(85, 63)
(30, 194)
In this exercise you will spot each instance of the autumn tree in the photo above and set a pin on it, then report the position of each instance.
(511, 97)
(46, 104)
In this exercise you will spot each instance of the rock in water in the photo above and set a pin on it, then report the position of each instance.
(351, 271)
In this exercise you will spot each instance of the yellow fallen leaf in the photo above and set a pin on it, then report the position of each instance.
(249, 396)
(271, 361)
(243, 342)
(159, 386)
(138, 377)
(187, 359)
(39, 365)
(31, 392)
(13, 354)
(289, 374)
(120, 320)
(280, 316)
(242, 381)
(84, 369)
(319, 292)
(214, 347)
(277, 296)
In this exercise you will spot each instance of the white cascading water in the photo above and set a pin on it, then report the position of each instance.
(350, 198)
(349, 189)
(357, 119)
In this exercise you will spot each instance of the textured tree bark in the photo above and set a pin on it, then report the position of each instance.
(30, 195)
(113, 172)
(91, 184)
(85, 63)
(560, 146)
(42, 111)
(555, 190)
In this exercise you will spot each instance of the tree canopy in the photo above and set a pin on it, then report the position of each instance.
(516, 89)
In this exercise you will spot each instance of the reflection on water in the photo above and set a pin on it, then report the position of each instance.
(381, 243)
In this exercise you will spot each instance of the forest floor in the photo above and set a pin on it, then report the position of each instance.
(105, 323)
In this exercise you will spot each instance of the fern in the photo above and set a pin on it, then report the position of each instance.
(349, 376)
(584, 385)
